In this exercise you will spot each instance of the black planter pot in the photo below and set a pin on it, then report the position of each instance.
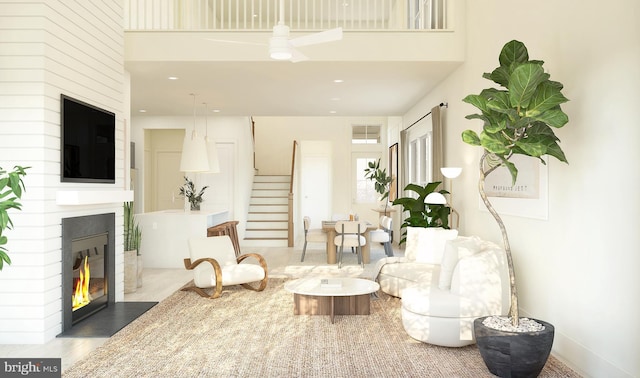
(514, 354)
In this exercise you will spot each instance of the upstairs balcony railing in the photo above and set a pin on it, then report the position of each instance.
(300, 15)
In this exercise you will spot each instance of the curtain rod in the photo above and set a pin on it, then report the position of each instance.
(446, 105)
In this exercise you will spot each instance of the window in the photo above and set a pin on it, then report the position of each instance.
(420, 160)
(365, 134)
(365, 189)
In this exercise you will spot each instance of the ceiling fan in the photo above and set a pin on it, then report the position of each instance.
(282, 47)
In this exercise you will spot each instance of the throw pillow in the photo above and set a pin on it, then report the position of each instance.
(411, 243)
(431, 244)
(454, 250)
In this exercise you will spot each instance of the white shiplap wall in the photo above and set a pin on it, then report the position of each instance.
(47, 48)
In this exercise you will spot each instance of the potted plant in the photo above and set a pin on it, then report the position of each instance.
(11, 188)
(132, 256)
(423, 214)
(381, 181)
(518, 119)
(194, 196)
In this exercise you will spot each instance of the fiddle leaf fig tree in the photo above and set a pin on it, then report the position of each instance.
(11, 189)
(518, 119)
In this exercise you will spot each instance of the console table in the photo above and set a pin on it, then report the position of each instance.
(165, 234)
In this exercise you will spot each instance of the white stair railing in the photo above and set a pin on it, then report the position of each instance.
(262, 15)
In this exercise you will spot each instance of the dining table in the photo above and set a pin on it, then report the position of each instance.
(329, 226)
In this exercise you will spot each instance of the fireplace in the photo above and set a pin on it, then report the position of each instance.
(88, 266)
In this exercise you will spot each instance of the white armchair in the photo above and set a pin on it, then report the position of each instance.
(464, 279)
(215, 265)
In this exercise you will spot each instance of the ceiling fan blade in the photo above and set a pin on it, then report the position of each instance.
(315, 38)
(236, 42)
(297, 56)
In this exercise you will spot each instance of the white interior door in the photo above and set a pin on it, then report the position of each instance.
(316, 181)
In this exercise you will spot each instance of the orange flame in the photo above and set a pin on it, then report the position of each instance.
(80, 296)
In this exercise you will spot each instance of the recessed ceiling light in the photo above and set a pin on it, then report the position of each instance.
(332, 111)
(172, 78)
(216, 110)
(338, 81)
(335, 98)
(142, 111)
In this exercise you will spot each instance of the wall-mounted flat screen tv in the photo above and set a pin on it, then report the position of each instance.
(88, 142)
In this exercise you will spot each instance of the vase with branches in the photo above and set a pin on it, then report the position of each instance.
(193, 195)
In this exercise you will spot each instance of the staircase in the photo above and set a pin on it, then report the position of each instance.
(267, 221)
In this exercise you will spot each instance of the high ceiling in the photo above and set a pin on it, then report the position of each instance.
(271, 88)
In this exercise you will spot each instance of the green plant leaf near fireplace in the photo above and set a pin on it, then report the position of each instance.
(11, 190)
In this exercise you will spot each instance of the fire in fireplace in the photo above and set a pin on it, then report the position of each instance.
(88, 289)
(88, 260)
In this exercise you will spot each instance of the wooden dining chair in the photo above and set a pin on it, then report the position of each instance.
(350, 234)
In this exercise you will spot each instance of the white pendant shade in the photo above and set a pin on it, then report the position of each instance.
(451, 172)
(194, 154)
(212, 153)
(435, 198)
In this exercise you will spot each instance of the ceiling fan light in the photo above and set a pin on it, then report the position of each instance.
(279, 49)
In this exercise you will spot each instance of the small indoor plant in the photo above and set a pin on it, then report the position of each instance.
(193, 195)
(11, 188)
(132, 240)
(517, 119)
(420, 213)
(381, 181)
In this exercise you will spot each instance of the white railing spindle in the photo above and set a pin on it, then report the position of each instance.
(300, 15)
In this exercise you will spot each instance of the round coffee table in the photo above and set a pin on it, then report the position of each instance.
(331, 296)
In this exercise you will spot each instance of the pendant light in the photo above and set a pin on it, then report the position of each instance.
(212, 149)
(194, 150)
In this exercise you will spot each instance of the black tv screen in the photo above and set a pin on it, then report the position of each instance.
(88, 142)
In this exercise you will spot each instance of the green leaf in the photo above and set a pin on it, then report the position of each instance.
(476, 100)
(523, 83)
(513, 52)
(547, 96)
(555, 118)
(553, 149)
(492, 144)
(499, 76)
(470, 137)
(532, 146)
(499, 102)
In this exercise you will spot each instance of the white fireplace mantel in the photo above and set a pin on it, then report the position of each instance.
(92, 197)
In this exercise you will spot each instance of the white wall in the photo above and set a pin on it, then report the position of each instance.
(48, 48)
(578, 269)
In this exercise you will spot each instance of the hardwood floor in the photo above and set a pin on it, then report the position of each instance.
(160, 283)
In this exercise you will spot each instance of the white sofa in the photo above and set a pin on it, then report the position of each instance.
(445, 282)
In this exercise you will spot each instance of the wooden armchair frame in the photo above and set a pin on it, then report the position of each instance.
(217, 290)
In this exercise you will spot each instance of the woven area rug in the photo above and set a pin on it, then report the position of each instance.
(255, 334)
